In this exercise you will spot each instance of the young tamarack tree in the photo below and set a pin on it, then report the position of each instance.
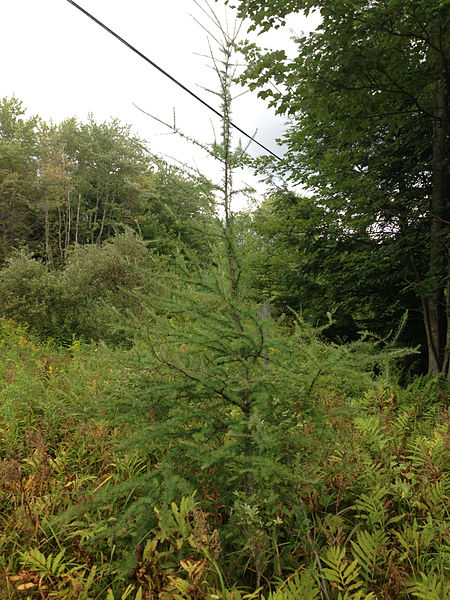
(223, 401)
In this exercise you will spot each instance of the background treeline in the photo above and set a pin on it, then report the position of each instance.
(310, 261)
(73, 185)
(366, 99)
(81, 183)
(81, 206)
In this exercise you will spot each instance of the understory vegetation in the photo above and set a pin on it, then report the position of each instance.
(141, 472)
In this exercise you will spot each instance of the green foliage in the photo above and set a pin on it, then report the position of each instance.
(343, 574)
(368, 552)
(430, 587)
(368, 135)
(178, 211)
(304, 257)
(302, 585)
(224, 400)
(216, 451)
(350, 501)
(26, 290)
(18, 147)
(82, 183)
(86, 298)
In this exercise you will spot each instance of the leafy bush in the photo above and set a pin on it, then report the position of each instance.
(88, 298)
(27, 292)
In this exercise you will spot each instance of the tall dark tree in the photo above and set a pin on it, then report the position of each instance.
(367, 101)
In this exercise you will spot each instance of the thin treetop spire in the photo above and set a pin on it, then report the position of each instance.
(166, 74)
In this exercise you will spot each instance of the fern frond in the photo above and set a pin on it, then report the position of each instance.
(437, 495)
(367, 551)
(371, 507)
(302, 586)
(373, 434)
(431, 587)
(340, 571)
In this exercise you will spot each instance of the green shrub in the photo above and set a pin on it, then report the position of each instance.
(88, 298)
(28, 292)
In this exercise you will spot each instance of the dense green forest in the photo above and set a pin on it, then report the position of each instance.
(203, 403)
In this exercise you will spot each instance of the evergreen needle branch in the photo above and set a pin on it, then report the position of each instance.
(189, 375)
(315, 378)
(217, 429)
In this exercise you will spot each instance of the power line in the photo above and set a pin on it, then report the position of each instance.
(161, 70)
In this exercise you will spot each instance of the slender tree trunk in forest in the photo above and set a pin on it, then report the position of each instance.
(105, 209)
(95, 214)
(437, 303)
(61, 254)
(94, 220)
(77, 222)
(48, 249)
(446, 365)
(102, 224)
(68, 225)
(438, 267)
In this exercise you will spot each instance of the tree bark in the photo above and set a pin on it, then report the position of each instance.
(77, 223)
(446, 365)
(68, 225)
(48, 249)
(102, 224)
(437, 275)
(61, 254)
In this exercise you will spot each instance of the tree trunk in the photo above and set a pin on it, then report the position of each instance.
(434, 334)
(437, 275)
(48, 249)
(102, 224)
(446, 365)
(68, 225)
(61, 254)
(77, 223)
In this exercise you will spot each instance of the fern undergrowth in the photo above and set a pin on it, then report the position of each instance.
(123, 477)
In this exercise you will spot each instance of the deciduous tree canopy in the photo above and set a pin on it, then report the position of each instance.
(367, 103)
(82, 183)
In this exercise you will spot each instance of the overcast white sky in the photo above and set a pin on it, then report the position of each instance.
(61, 64)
